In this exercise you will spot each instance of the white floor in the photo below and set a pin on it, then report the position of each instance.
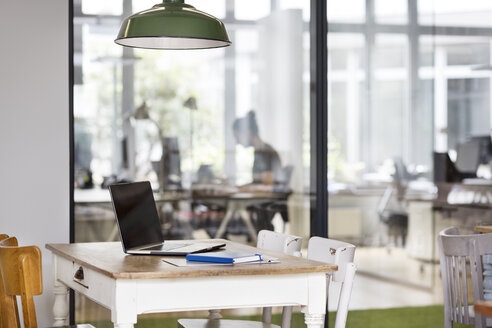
(388, 278)
(371, 293)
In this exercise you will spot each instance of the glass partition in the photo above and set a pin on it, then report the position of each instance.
(409, 81)
(221, 134)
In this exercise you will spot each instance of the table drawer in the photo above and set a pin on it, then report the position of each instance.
(86, 281)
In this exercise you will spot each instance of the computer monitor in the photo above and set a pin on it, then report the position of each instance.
(446, 171)
(468, 156)
(485, 148)
(169, 167)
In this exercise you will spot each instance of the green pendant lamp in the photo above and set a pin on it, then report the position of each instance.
(172, 25)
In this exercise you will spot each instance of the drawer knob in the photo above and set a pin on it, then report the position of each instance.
(79, 274)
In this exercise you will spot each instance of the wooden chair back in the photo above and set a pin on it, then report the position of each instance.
(9, 315)
(341, 254)
(20, 268)
(459, 260)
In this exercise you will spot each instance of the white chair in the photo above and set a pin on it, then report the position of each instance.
(341, 254)
(319, 249)
(271, 241)
(460, 255)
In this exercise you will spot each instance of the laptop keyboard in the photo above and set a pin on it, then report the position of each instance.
(166, 247)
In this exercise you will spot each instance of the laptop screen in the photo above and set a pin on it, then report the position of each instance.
(136, 214)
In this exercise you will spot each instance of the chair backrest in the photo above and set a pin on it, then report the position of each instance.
(279, 242)
(341, 254)
(332, 251)
(20, 268)
(458, 257)
(9, 315)
(287, 244)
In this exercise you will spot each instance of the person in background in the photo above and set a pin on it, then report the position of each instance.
(266, 160)
(266, 167)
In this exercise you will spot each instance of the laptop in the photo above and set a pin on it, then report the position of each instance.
(139, 225)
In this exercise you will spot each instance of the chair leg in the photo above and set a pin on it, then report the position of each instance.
(214, 314)
(286, 316)
(267, 315)
(344, 300)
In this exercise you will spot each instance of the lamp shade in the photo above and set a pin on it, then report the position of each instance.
(172, 25)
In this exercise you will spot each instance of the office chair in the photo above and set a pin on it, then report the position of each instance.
(264, 212)
(396, 217)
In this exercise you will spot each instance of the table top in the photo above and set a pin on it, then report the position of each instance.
(484, 307)
(102, 196)
(109, 259)
(483, 229)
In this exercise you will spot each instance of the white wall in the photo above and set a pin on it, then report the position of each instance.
(34, 145)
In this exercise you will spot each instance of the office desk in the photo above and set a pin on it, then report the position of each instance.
(237, 202)
(100, 198)
(129, 285)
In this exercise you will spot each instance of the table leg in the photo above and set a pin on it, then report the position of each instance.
(60, 307)
(124, 309)
(246, 217)
(314, 320)
(314, 311)
(214, 314)
(225, 221)
(267, 315)
(123, 325)
(114, 233)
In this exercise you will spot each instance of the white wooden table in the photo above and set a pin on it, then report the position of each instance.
(130, 285)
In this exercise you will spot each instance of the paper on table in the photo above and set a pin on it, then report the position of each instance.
(181, 261)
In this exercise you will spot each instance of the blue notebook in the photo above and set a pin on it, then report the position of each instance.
(224, 257)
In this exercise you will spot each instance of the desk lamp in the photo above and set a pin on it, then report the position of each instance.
(142, 113)
(172, 25)
(190, 103)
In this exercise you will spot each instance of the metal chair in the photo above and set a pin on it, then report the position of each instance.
(460, 257)
(268, 240)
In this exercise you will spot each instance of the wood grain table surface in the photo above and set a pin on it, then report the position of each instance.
(109, 259)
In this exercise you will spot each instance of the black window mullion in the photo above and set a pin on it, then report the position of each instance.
(319, 119)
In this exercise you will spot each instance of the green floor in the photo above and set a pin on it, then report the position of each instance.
(409, 317)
